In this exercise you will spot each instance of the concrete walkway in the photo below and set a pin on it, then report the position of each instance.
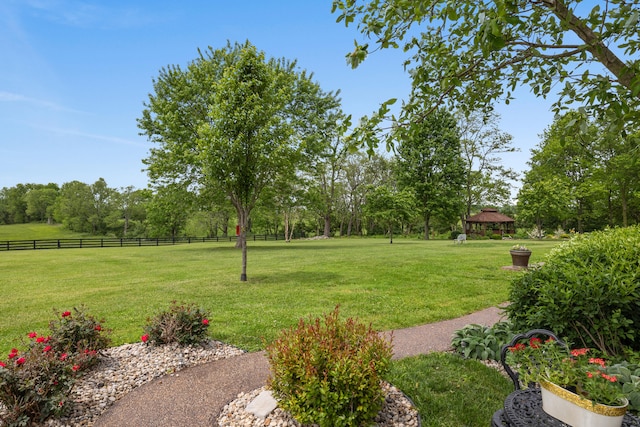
(194, 396)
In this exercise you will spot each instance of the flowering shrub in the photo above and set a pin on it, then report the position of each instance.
(184, 324)
(35, 384)
(328, 372)
(79, 333)
(577, 370)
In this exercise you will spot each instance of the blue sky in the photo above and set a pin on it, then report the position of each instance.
(74, 75)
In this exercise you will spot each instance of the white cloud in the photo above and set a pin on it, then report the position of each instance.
(81, 134)
(16, 97)
(89, 14)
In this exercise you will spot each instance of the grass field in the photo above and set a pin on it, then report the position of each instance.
(392, 286)
(36, 231)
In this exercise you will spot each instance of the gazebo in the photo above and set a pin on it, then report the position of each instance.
(488, 222)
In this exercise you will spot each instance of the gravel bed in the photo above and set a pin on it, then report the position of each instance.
(122, 369)
(397, 411)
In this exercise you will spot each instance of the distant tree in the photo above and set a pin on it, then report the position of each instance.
(487, 178)
(468, 54)
(389, 207)
(74, 206)
(571, 161)
(543, 202)
(430, 164)
(168, 211)
(41, 201)
(16, 204)
(129, 211)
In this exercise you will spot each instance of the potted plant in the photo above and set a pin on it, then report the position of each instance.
(520, 256)
(574, 384)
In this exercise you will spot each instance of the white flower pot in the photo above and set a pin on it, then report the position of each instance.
(577, 411)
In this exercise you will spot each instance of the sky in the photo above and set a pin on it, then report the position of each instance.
(74, 75)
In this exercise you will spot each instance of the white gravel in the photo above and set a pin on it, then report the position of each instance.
(397, 411)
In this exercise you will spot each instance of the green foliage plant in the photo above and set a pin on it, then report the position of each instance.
(628, 375)
(587, 291)
(328, 372)
(185, 324)
(481, 342)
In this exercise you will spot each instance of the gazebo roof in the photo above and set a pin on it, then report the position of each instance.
(490, 215)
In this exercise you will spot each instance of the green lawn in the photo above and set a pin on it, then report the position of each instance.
(392, 286)
(36, 231)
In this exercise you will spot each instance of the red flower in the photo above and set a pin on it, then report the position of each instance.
(76, 368)
(2, 364)
(205, 321)
(47, 348)
(597, 361)
(63, 356)
(518, 347)
(40, 339)
(20, 361)
(98, 328)
(535, 342)
(145, 338)
(579, 352)
(32, 334)
(14, 350)
(66, 314)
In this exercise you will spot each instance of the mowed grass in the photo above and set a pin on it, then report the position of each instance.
(397, 285)
(36, 231)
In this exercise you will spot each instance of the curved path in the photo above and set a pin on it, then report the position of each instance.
(194, 396)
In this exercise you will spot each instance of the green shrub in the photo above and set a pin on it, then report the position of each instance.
(587, 291)
(481, 342)
(78, 332)
(328, 371)
(454, 234)
(496, 237)
(185, 324)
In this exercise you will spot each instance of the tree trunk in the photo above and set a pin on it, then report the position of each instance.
(243, 221)
(426, 227)
(327, 225)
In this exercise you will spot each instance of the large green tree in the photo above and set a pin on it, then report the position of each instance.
(431, 165)
(232, 121)
(469, 53)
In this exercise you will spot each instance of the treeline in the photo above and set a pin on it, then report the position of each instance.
(583, 175)
(583, 182)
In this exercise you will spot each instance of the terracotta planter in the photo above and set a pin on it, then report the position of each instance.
(520, 258)
(577, 411)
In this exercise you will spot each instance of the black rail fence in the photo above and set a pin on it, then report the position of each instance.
(15, 245)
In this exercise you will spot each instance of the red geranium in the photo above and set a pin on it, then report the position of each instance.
(145, 338)
(32, 334)
(205, 321)
(66, 314)
(20, 361)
